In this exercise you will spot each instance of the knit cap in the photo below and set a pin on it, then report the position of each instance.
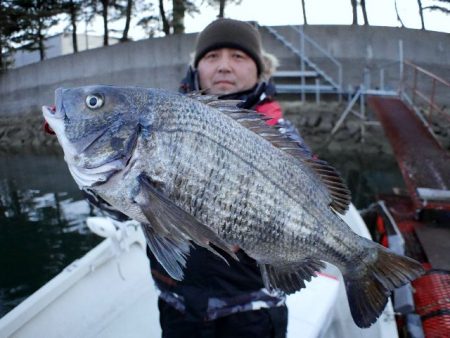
(229, 33)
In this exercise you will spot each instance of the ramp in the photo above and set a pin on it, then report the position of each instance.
(424, 164)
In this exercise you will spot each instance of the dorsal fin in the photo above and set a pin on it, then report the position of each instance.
(337, 188)
(213, 100)
(254, 121)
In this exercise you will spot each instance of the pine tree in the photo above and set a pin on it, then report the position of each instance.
(419, 2)
(354, 12)
(35, 17)
(305, 22)
(9, 26)
(364, 11)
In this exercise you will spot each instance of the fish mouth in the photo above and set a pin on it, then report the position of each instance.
(48, 110)
(53, 120)
(54, 125)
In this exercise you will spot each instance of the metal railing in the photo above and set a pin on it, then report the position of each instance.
(304, 60)
(393, 80)
(389, 76)
(423, 90)
(359, 95)
(306, 39)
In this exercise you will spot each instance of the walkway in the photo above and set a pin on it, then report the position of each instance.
(424, 164)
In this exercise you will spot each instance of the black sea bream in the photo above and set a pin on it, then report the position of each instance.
(197, 169)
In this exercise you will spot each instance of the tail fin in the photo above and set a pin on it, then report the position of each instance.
(368, 292)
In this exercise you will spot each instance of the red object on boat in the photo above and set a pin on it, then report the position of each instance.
(382, 231)
(432, 299)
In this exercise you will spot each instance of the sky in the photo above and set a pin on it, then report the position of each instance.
(289, 12)
(286, 12)
(318, 12)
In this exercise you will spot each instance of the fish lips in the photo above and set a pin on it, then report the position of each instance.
(55, 112)
(53, 123)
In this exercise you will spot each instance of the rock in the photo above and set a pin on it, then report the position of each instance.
(314, 121)
(325, 126)
(336, 147)
(21, 134)
(352, 126)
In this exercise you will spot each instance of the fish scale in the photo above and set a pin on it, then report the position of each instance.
(204, 171)
(230, 177)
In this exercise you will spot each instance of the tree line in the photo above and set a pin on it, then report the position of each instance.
(25, 23)
(439, 5)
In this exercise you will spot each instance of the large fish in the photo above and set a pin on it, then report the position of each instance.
(196, 169)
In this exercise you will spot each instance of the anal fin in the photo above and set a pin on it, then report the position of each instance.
(291, 277)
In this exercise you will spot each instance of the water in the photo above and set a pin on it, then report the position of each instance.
(42, 226)
(366, 175)
(42, 215)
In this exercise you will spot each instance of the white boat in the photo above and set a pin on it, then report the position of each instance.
(109, 293)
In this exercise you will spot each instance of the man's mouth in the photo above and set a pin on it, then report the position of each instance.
(224, 82)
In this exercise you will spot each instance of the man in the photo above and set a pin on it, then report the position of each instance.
(229, 62)
(216, 299)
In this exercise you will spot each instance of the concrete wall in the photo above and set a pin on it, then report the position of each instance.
(57, 45)
(161, 62)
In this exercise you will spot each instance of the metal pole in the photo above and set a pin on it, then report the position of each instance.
(302, 62)
(346, 111)
(366, 80)
(362, 103)
(401, 62)
(433, 88)
(362, 107)
(317, 90)
(414, 88)
(400, 54)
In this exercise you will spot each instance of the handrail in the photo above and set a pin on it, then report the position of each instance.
(426, 72)
(321, 50)
(304, 60)
(315, 44)
(367, 89)
(429, 99)
(381, 69)
(347, 110)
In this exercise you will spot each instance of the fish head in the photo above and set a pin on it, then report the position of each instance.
(97, 127)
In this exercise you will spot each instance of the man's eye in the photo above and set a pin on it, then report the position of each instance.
(211, 56)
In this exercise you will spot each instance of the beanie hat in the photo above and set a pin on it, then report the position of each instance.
(229, 33)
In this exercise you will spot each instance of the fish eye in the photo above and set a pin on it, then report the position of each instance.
(94, 101)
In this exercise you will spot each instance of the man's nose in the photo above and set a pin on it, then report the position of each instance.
(224, 65)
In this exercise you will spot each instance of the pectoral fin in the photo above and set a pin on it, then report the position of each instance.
(170, 221)
(171, 254)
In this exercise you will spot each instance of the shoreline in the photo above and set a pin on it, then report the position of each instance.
(25, 134)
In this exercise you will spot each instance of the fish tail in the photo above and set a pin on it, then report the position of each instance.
(368, 289)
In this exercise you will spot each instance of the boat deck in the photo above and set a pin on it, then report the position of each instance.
(109, 293)
(423, 162)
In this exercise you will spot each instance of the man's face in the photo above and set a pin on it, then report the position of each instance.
(226, 70)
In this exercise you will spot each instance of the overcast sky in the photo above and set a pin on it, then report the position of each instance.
(318, 12)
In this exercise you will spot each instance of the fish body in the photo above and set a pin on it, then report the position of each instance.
(203, 171)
